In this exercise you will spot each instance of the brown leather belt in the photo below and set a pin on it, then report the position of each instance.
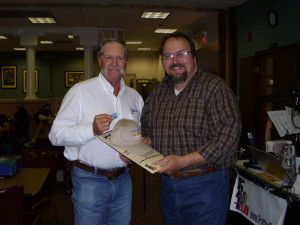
(110, 174)
(192, 173)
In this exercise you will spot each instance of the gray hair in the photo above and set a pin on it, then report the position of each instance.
(101, 51)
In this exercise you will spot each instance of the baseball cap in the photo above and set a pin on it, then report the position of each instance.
(127, 135)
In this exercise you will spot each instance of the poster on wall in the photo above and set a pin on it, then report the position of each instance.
(9, 76)
(24, 72)
(73, 77)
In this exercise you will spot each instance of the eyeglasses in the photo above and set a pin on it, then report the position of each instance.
(178, 55)
(110, 58)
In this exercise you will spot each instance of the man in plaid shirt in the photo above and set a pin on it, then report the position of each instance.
(192, 118)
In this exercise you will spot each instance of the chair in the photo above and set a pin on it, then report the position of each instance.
(45, 144)
(44, 202)
(61, 162)
(33, 158)
(19, 138)
(12, 207)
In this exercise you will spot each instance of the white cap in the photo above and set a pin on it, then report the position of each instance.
(126, 134)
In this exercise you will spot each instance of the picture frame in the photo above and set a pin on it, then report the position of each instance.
(9, 76)
(73, 77)
(24, 73)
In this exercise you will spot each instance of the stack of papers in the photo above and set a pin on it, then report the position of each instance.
(283, 121)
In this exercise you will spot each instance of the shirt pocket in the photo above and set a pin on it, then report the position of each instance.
(134, 113)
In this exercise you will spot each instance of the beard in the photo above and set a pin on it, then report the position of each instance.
(106, 70)
(177, 78)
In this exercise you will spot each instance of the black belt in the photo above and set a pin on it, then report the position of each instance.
(194, 172)
(110, 174)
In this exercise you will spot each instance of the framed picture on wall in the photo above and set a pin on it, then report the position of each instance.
(72, 78)
(9, 76)
(24, 72)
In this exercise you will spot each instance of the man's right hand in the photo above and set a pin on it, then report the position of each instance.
(102, 123)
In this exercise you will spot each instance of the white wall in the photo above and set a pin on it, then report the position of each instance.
(146, 65)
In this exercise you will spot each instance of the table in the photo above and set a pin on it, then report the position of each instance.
(264, 182)
(256, 181)
(31, 178)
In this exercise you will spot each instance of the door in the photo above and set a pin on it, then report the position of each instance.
(278, 78)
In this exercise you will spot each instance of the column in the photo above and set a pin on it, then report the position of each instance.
(30, 74)
(89, 40)
(29, 39)
(88, 62)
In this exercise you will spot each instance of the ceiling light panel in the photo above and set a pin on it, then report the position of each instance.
(20, 49)
(165, 31)
(41, 20)
(155, 15)
(2, 37)
(143, 49)
(46, 42)
(133, 42)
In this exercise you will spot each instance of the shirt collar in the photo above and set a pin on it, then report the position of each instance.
(170, 84)
(108, 86)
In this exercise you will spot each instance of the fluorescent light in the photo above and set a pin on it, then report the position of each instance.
(165, 31)
(79, 48)
(2, 37)
(133, 42)
(20, 49)
(143, 49)
(46, 42)
(70, 36)
(42, 20)
(155, 15)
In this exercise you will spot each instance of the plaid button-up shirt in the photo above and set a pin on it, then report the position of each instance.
(203, 117)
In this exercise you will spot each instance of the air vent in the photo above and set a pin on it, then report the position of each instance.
(25, 13)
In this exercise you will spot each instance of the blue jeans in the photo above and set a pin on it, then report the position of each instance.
(99, 201)
(195, 200)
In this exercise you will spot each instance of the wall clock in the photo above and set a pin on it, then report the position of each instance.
(272, 18)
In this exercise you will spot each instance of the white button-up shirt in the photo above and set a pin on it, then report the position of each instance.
(73, 125)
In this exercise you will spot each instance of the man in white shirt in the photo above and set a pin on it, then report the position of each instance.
(102, 187)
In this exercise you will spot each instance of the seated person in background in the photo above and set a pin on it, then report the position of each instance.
(45, 123)
(19, 120)
(44, 111)
(5, 148)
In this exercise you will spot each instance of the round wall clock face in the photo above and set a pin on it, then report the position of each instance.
(272, 18)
